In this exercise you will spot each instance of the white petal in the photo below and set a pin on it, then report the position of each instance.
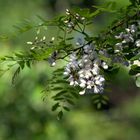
(66, 73)
(104, 65)
(96, 90)
(53, 64)
(102, 79)
(76, 83)
(97, 82)
(82, 92)
(81, 75)
(82, 85)
(116, 51)
(89, 87)
(30, 43)
(72, 83)
(82, 81)
(95, 71)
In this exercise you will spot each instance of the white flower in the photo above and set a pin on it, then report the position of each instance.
(77, 44)
(72, 83)
(70, 25)
(84, 71)
(67, 69)
(116, 51)
(53, 64)
(82, 81)
(88, 74)
(53, 38)
(76, 83)
(96, 89)
(118, 45)
(137, 43)
(128, 38)
(95, 70)
(87, 48)
(80, 63)
(67, 12)
(133, 28)
(82, 18)
(89, 87)
(82, 92)
(102, 79)
(81, 73)
(104, 65)
(44, 37)
(97, 82)
(30, 43)
(66, 21)
(127, 30)
(82, 85)
(66, 73)
(73, 57)
(120, 36)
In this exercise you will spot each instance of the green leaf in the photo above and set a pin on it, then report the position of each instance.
(74, 94)
(70, 101)
(105, 97)
(135, 69)
(70, 38)
(4, 37)
(21, 63)
(106, 59)
(28, 63)
(99, 105)
(60, 115)
(19, 55)
(15, 75)
(113, 69)
(134, 2)
(10, 57)
(137, 57)
(55, 106)
(106, 7)
(66, 108)
(96, 101)
(24, 26)
(58, 98)
(59, 94)
(104, 102)
(68, 96)
(2, 58)
(57, 88)
(95, 13)
(96, 96)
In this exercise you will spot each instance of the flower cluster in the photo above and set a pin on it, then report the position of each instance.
(129, 38)
(129, 43)
(41, 44)
(72, 19)
(84, 71)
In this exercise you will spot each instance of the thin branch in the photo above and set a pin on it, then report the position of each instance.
(74, 50)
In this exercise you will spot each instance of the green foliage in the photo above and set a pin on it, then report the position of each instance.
(100, 100)
(115, 46)
(134, 70)
(135, 2)
(65, 96)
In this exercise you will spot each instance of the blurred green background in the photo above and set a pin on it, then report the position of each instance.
(23, 113)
